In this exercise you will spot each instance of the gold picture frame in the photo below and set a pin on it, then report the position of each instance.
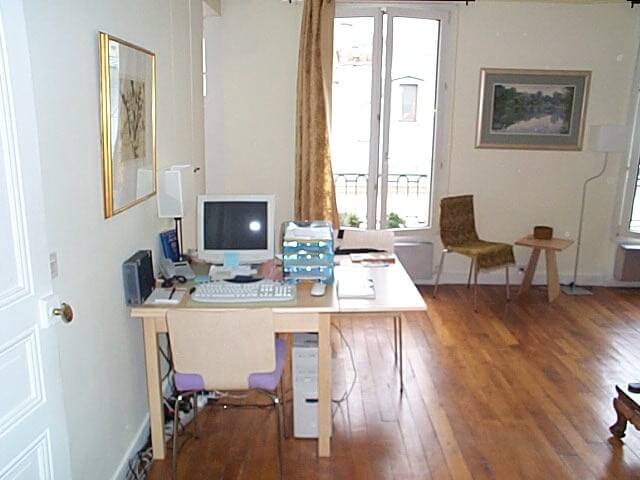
(127, 122)
(524, 109)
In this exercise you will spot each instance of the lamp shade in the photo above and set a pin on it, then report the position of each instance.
(175, 192)
(608, 138)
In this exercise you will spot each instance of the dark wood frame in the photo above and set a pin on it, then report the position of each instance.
(627, 410)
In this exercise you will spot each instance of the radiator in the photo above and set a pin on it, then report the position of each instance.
(627, 267)
(417, 259)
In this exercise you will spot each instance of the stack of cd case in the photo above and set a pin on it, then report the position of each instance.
(307, 251)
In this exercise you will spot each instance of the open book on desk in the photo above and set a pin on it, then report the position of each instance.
(354, 282)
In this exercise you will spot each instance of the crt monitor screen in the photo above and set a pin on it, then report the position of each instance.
(235, 225)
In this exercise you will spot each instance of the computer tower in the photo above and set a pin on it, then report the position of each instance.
(305, 385)
(137, 274)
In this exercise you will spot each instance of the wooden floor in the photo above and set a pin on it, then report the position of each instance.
(516, 391)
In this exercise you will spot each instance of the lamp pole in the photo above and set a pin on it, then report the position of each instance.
(573, 288)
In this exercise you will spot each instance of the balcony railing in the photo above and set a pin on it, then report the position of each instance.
(402, 183)
(407, 197)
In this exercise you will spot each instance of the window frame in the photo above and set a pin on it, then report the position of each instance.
(631, 169)
(447, 15)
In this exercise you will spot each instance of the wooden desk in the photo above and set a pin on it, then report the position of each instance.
(550, 248)
(395, 294)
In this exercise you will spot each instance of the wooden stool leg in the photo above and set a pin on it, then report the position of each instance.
(531, 269)
(473, 261)
(553, 281)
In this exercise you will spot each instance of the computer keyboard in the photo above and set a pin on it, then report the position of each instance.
(227, 292)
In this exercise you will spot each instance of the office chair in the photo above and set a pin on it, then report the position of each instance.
(458, 235)
(225, 351)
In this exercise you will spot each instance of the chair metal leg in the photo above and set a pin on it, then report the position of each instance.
(473, 261)
(401, 355)
(435, 288)
(283, 400)
(196, 429)
(506, 277)
(176, 424)
(395, 339)
(278, 408)
(475, 290)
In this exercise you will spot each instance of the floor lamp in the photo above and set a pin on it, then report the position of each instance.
(605, 139)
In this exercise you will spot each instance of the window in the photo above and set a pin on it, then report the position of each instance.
(386, 86)
(629, 219)
(409, 102)
(631, 214)
(204, 67)
(634, 222)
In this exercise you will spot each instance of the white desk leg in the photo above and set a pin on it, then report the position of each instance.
(324, 386)
(154, 388)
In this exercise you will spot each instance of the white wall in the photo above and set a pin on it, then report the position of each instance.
(516, 189)
(101, 352)
(252, 63)
(256, 50)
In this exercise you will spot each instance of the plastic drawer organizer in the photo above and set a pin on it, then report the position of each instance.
(307, 251)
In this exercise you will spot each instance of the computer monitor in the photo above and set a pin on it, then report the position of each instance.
(241, 224)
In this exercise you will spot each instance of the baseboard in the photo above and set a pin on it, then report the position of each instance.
(141, 436)
(137, 443)
(496, 277)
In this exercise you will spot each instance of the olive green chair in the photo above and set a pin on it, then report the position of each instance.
(458, 234)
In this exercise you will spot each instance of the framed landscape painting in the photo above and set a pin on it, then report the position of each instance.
(128, 123)
(532, 109)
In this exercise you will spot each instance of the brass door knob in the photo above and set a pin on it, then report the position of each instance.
(65, 311)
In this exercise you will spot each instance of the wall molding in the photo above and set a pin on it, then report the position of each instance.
(136, 444)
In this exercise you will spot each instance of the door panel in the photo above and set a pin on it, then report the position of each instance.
(20, 367)
(34, 463)
(33, 438)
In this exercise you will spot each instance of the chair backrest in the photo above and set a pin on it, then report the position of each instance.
(457, 220)
(374, 239)
(224, 347)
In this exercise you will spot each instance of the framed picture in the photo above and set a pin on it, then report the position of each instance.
(128, 123)
(532, 109)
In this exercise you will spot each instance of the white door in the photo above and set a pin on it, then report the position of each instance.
(33, 437)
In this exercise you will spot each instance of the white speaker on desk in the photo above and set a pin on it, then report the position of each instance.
(176, 197)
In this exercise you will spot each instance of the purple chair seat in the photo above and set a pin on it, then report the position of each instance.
(186, 382)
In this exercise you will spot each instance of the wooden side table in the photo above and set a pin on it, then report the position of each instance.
(627, 410)
(550, 248)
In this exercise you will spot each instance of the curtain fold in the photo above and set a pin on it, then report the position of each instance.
(315, 196)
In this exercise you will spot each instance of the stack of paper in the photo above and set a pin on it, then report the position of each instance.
(381, 257)
(354, 282)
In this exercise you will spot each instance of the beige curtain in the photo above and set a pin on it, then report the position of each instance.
(315, 196)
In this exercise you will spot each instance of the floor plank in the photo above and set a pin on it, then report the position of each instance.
(518, 390)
